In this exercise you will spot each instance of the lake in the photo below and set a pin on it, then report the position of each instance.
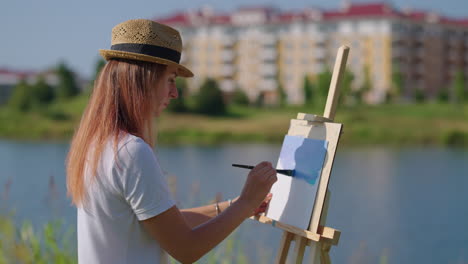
(400, 205)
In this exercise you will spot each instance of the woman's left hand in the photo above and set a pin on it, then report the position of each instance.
(262, 208)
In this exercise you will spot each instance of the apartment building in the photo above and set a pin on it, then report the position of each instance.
(256, 49)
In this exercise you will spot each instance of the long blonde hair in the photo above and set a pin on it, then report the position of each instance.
(122, 102)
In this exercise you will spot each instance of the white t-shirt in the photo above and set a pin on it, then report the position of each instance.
(126, 190)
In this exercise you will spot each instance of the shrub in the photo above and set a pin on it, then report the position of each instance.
(42, 92)
(21, 99)
(239, 97)
(67, 86)
(419, 95)
(209, 100)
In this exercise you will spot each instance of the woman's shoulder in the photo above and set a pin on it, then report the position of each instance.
(132, 147)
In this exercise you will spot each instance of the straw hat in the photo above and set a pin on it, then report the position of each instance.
(146, 40)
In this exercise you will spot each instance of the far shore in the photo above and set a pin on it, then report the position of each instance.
(428, 124)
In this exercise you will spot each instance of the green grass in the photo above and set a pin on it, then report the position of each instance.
(26, 245)
(396, 124)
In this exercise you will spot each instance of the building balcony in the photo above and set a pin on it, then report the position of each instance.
(228, 41)
(227, 85)
(399, 42)
(420, 69)
(320, 39)
(268, 84)
(318, 68)
(453, 56)
(399, 52)
(227, 55)
(320, 54)
(419, 52)
(268, 69)
(268, 40)
(453, 40)
(268, 54)
(398, 37)
(227, 70)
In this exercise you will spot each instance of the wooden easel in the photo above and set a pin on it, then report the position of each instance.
(318, 237)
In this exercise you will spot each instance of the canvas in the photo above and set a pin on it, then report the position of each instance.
(294, 197)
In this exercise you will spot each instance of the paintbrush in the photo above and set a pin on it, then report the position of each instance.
(284, 172)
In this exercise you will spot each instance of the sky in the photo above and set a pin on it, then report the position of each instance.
(36, 35)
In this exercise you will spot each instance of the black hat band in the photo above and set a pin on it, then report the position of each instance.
(150, 50)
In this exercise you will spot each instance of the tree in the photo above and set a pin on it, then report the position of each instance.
(459, 89)
(67, 86)
(209, 99)
(178, 105)
(308, 91)
(282, 95)
(346, 86)
(443, 95)
(397, 85)
(21, 98)
(239, 97)
(419, 95)
(260, 101)
(365, 87)
(42, 92)
(323, 85)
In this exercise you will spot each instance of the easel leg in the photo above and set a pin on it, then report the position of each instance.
(317, 254)
(299, 249)
(284, 247)
(325, 249)
(314, 253)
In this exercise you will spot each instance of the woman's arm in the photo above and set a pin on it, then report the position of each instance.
(187, 244)
(199, 215)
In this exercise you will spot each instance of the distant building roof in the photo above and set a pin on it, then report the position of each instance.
(363, 10)
(352, 10)
(175, 19)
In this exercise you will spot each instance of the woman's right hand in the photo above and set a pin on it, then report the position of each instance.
(258, 184)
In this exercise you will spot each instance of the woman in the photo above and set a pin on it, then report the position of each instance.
(125, 211)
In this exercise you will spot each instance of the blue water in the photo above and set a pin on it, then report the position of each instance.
(407, 205)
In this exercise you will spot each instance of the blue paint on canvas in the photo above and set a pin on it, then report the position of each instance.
(305, 156)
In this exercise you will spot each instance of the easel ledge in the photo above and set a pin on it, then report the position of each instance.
(325, 234)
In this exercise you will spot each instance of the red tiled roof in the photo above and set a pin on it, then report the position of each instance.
(416, 15)
(289, 17)
(178, 18)
(16, 73)
(221, 19)
(463, 22)
(369, 9)
(257, 8)
(4, 71)
(9, 71)
(355, 10)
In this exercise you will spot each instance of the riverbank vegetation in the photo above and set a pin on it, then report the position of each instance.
(388, 124)
(24, 244)
(40, 111)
